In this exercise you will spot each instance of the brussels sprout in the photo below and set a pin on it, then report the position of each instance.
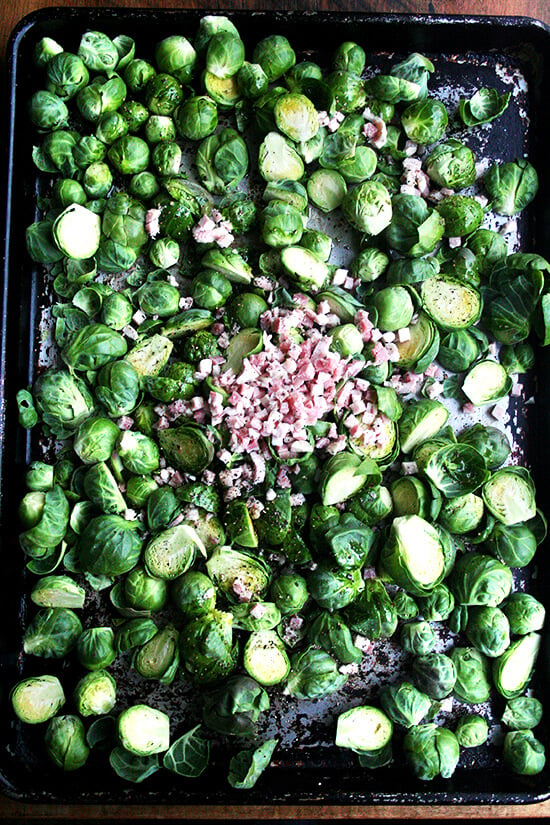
(510, 495)
(95, 694)
(235, 707)
(524, 612)
(326, 189)
(207, 647)
(66, 73)
(95, 439)
(334, 588)
(330, 632)
(473, 682)
(196, 347)
(197, 117)
(425, 121)
(462, 514)
(224, 54)
(158, 657)
(144, 592)
(275, 55)
(111, 126)
(488, 630)
(129, 154)
(139, 488)
(52, 633)
(246, 309)
(76, 232)
(44, 516)
(252, 81)
(289, 592)
(65, 741)
(186, 447)
(48, 111)
(438, 604)
(349, 543)
(143, 730)
(95, 648)
(143, 186)
(512, 670)
(58, 591)
(138, 452)
(413, 555)
(431, 751)
(278, 160)
(172, 551)
(451, 164)
(109, 545)
(97, 180)
(415, 229)
(366, 730)
(349, 57)
(137, 73)
(37, 698)
(136, 115)
(210, 290)
(421, 420)
(158, 298)
(150, 356)
(344, 475)
(523, 753)
(133, 633)
(372, 614)
(239, 573)
(44, 50)
(511, 186)
(472, 730)
(404, 704)
(492, 443)
(478, 579)
(405, 606)
(193, 593)
(222, 160)
(462, 215)
(347, 89)
(522, 713)
(117, 388)
(434, 674)
(62, 399)
(176, 56)
(512, 544)
(313, 674)
(372, 506)
(368, 207)
(254, 616)
(418, 637)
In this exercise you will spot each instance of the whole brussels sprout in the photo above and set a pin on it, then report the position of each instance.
(193, 593)
(137, 74)
(488, 630)
(405, 705)
(418, 637)
(95, 648)
(471, 730)
(129, 154)
(431, 751)
(523, 753)
(52, 633)
(434, 674)
(524, 612)
(95, 439)
(65, 741)
(289, 592)
(210, 289)
(473, 679)
(275, 55)
(174, 55)
(197, 117)
(66, 73)
(109, 545)
(368, 207)
(144, 592)
(451, 164)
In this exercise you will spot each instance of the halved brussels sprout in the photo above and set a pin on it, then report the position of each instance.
(144, 730)
(510, 495)
(451, 303)
(366, 730)
(37, 698)
(413, 555)
(265, 658)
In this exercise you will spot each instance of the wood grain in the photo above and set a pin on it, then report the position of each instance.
(10, 14)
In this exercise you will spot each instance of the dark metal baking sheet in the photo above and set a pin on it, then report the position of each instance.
(468, 52)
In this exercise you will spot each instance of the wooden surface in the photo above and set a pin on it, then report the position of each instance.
(11, 11)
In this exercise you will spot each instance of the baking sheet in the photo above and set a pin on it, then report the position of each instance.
(508, 54)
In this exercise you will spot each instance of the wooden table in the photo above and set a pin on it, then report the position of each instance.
(11, 13)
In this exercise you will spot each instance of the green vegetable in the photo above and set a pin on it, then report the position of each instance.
(37, 698)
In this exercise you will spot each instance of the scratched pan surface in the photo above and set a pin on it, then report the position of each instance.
(510, 54)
